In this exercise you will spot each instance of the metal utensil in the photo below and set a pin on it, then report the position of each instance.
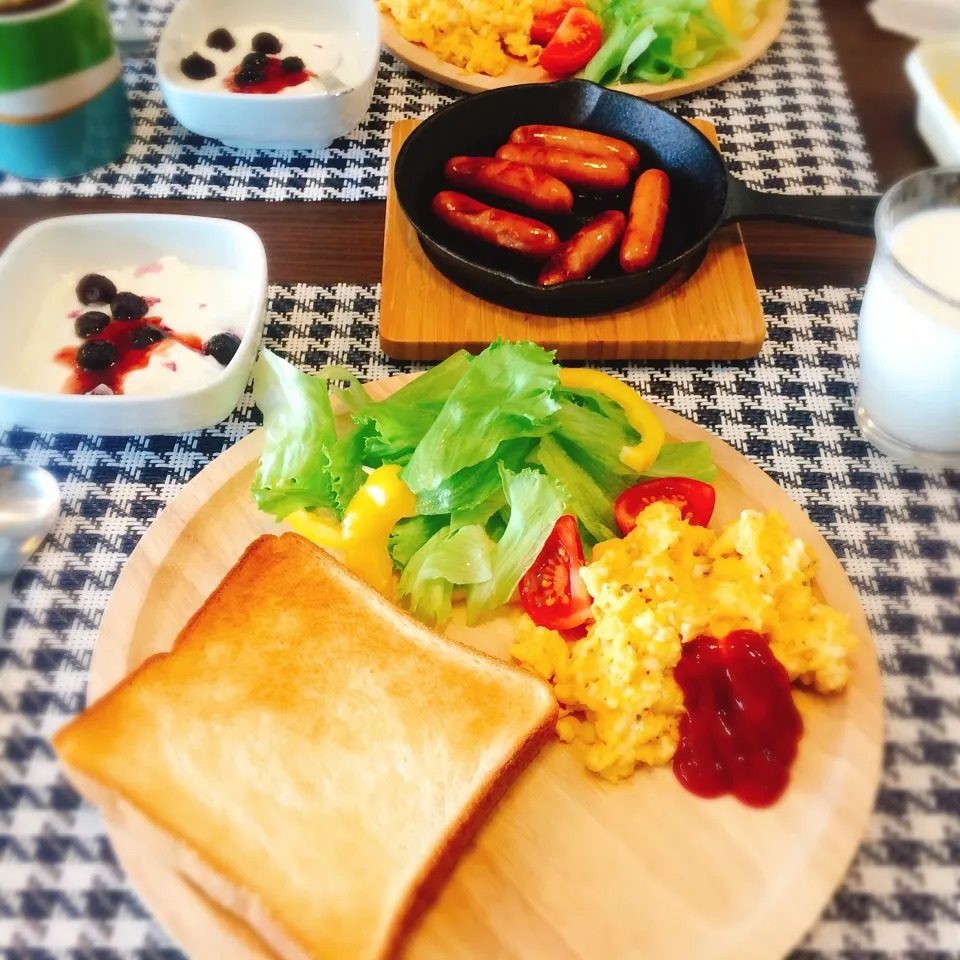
(333, 84)
(29, 504)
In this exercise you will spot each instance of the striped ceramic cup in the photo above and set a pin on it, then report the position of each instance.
(63, 106)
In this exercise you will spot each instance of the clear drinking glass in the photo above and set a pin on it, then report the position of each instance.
(909, 400)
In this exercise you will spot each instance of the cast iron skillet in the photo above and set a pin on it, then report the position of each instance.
(704, 196)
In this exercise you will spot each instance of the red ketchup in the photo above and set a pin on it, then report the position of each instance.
(129, 358)
(275, 79)
(741, 731)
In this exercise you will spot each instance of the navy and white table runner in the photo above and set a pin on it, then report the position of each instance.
(785, 124)
(897, 532)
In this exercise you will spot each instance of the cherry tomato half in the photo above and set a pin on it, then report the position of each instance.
(578, 38)
(695, 499)
(547, 19)
(551, 591)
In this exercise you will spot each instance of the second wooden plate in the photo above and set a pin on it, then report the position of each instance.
(422, 60)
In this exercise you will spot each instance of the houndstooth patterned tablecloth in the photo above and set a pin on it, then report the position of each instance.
(785, 124)
(897, 532)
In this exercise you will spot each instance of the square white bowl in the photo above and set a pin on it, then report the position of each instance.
(44, 252)
(933, 67)
(309, 121)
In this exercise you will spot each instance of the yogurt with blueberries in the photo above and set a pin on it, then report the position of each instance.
(148, 329)
(258, 59)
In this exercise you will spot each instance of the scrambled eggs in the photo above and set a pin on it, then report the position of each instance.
(663, 585)
(476, 35)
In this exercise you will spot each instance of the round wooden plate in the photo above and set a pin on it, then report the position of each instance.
(419, 58)
(568, 867)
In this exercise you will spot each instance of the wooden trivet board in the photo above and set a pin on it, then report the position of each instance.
(715, 315)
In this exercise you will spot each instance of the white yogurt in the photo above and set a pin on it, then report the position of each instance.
(910, 337)
(189, 300)
(322, 53)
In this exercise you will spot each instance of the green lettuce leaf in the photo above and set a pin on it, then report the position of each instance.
(600, 403)
(353, 396)
(402, 419)
(536, 503)
(505, 394)
(482, 513)
(586, 499)
(694, 460)
(496, 526)
(592, 430)
(475, 485)
(594, 440)
(449, 558)
(638, 47)
(409, 535)
(298, 425)
(344, 459)
(607, 62)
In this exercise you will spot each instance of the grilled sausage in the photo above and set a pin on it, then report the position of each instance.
(498, 227)
(574, 169)
(580, 255)
(579, 141)
(648, 217)
(515, 181)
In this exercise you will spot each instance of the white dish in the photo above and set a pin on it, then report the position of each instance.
(917, 19)
(310, 118)
(934, 71)
(36, 262)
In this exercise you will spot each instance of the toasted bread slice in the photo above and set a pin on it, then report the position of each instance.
(309, 756)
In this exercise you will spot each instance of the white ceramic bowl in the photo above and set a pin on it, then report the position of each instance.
(268, 121)
(934, 71)
(42, 254)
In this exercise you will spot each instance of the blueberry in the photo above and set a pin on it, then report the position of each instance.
(96, 355)
(248, 76)
(291, 65)
(256, 60)
(94, 288)
(91, 323)
(221, 39)
(266, 43)
(146, 336)
(222, 347)
(196, 67)
(128, 306)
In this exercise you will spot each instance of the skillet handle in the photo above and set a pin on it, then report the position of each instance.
(844, 214)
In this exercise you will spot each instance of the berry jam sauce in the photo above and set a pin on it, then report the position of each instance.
(121, 335)
(741, 731)
(275, 78)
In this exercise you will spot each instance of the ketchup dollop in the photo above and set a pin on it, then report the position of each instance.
(741, 731)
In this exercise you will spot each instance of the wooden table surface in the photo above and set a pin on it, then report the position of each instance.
(334, 242)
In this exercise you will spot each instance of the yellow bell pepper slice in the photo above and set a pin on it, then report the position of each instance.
(684, 46)
(322, 531)
(362, 538)
(639, 414)
(728, 12)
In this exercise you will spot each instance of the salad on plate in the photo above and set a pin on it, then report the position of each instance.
(455, 483)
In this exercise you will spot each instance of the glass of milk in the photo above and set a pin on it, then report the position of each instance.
(909, 401)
